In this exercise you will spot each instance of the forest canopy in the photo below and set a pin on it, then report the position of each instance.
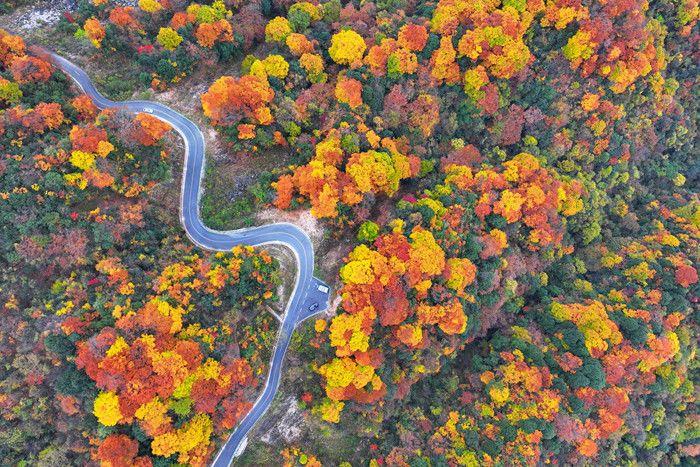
(507, 193)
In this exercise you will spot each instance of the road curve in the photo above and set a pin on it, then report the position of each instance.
(306, 288)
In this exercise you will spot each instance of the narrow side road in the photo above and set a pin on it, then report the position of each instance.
(310, 295)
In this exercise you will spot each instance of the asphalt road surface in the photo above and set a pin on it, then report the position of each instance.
(306, 291)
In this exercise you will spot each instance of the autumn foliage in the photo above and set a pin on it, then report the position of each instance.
(229, 101)
(149, 129)
(507, 195)
(135, 355)
(152, 367)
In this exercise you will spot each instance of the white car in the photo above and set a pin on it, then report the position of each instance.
(148, 110)
(323, 288)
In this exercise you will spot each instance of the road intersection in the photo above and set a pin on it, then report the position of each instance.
(310, 295)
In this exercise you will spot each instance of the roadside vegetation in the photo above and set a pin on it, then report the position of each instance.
(124, 345)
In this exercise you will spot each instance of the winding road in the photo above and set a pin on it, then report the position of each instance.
(308, 290)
